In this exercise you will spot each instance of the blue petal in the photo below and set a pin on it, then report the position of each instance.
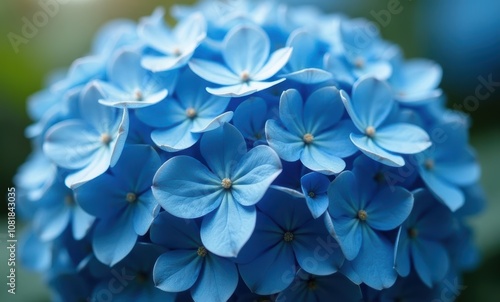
(449, 194)
(177, 271)
(431, 261)
(309, 76)
(315, 187)
(460, 174)
(418, 75)
(191, 30)
(144, 210)
(322, 110)
(291, 112)
(182, 234)
(176, 138)
(222, 148)
(402, 138)
(157, 63)
(81, 223)
(288, 146)
(35, 254)
(389, 208)
(375, 261)
(336, 140)
(217, 281)
(50, 222)
(100, 163)
(246, 48)
(402, 262)
(349, 234)
(126, 71)
(226, 230)
(344, 198)
(208, 124)
(69, 150)
(316, 251)
(375, 152)
(243, 89)
(372, 102)
(276, 62)
(186, 188)
(320, 160)
(250, 118)
(271, 272)
(254, 174)
(214, 72)
(114, 238)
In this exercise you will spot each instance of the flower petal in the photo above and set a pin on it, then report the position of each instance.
(226, 230)
(186, 188)
(389, 208)
(449, 194)
(245, 49)
(182, 234)
(431, 261)
(372, 101)
(217, 281)
(254, 174)
(177, 271)
(375, 152)
(309, 76)
(402, 138)
(177, 138)
(243, 89)
(291, 108)
(214, 72)
(223, 148)
(320, 160)
(322, 110)
(276, 62)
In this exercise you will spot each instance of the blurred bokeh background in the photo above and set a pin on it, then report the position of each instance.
(462, 35)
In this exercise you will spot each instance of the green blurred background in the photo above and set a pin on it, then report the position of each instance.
(466, 45)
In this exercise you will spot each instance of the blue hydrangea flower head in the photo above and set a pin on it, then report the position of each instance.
(248, 63)
(224, 194)
(370, 107)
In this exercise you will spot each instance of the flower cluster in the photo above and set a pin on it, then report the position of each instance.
(252, 152)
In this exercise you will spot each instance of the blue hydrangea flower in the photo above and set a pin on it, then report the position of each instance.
(415, 82)
(311, 288)
(189, 265)
(449, 165)
(378, 137)
(421, 240)
(247, 66)
(130, 85)
(286, 235)
(359, 218)
(306, 62)
(175, 46)
(181, 121)
(123, 202)
(312, 131)
(57, 210)
(315, 189)
(90, 145)
(225, 196)
(131, 279)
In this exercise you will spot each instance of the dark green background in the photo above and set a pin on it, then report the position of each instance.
(68, 35)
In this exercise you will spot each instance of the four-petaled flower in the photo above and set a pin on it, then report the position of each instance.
(225, 196)
(248, 65)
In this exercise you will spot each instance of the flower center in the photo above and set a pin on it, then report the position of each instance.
(311, 284)
(105, 138)
(226, 183)
(141, 277)
(288, 236)
(191, 113)
(138, 95)
(359, 62)
(412, 232)
(131, 197)
(176, 51)
(69, 200)
(429, 164)
(311, 194)
(245, 76)
(362, 215)
(308, 138)
(202, 251)
(370, 131)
